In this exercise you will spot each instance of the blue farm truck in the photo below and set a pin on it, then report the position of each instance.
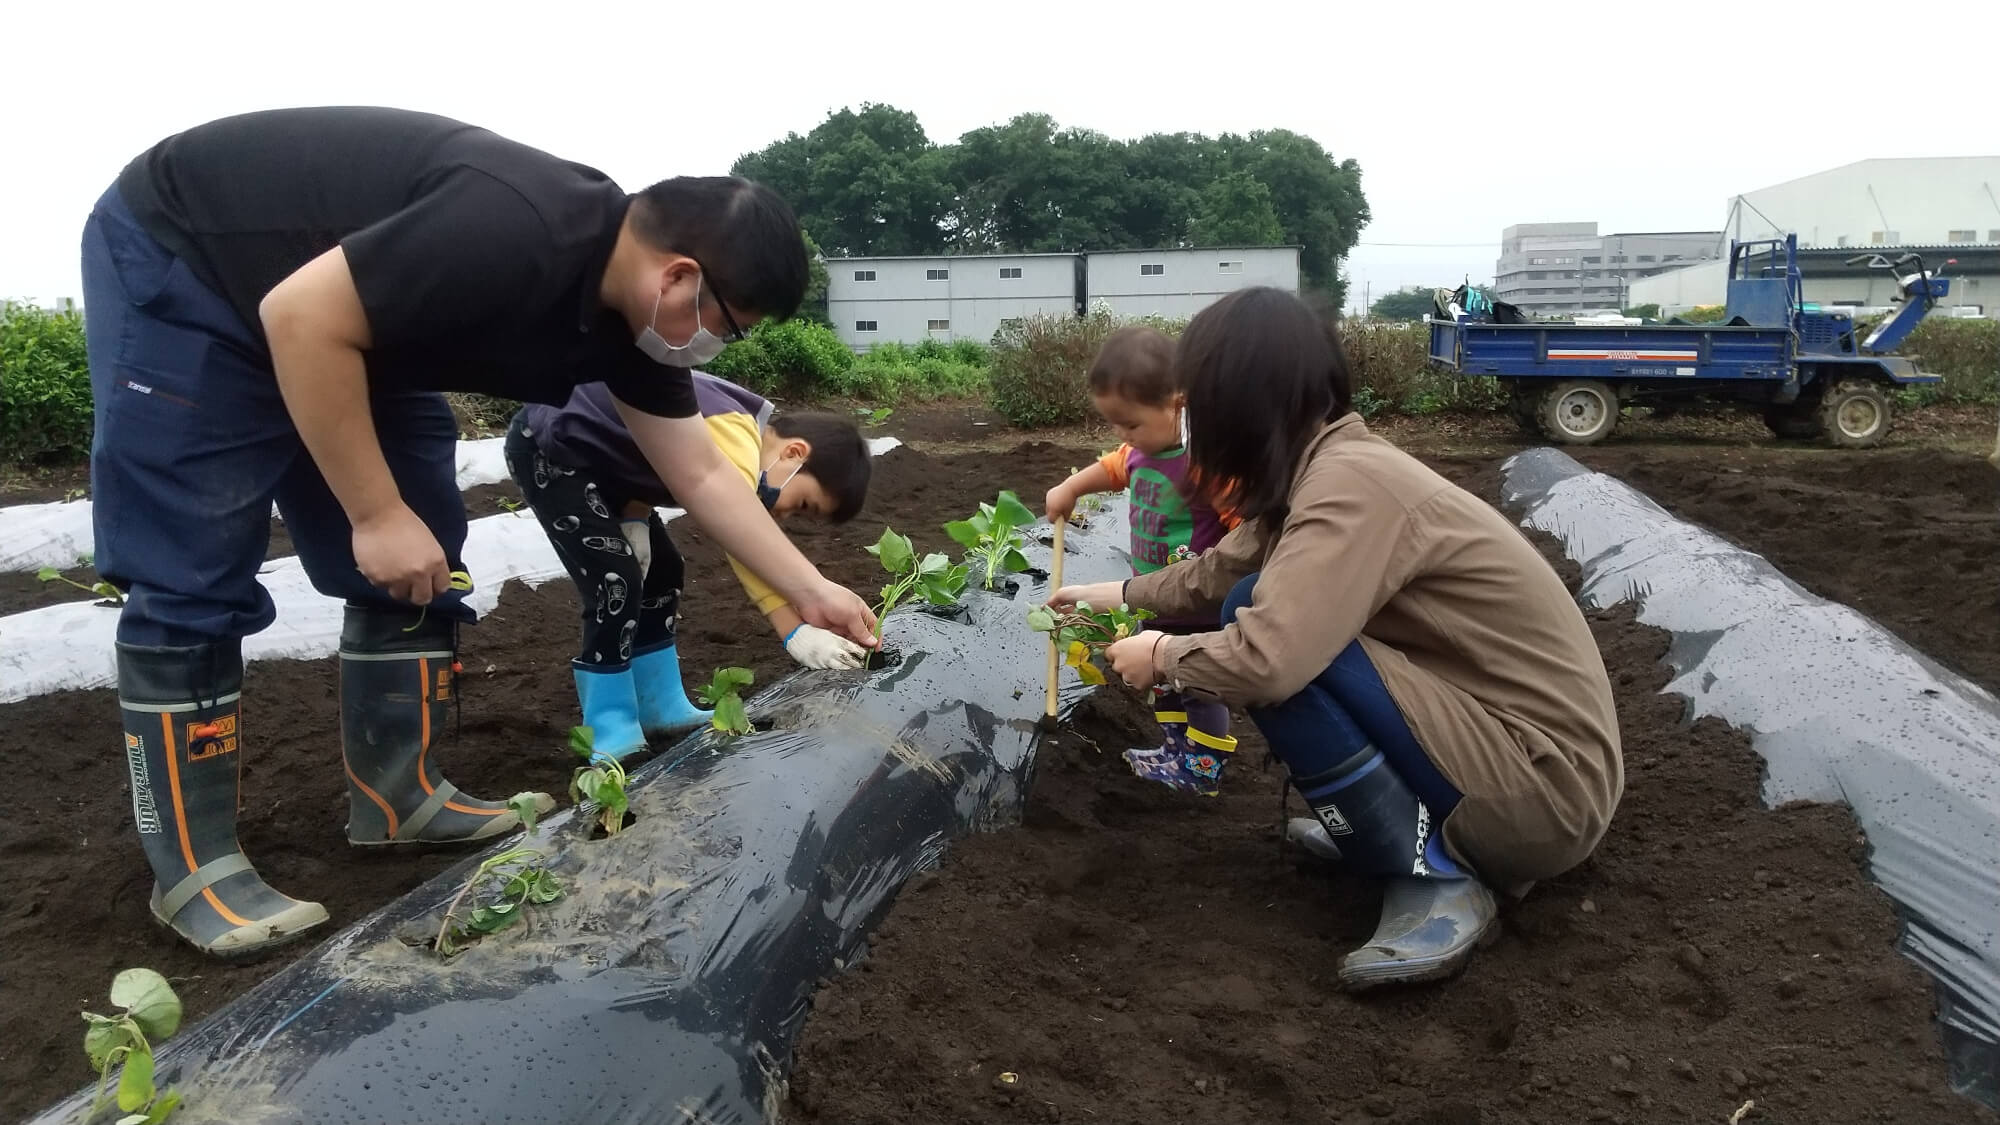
(1801, 365)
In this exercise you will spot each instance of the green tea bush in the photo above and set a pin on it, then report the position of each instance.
(793, 358)
(895, 373)
(44, 385)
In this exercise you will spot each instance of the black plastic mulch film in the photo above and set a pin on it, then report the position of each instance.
(670, 981)
(1838, 707)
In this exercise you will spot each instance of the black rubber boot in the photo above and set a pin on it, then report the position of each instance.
(1434, 913)
(396, 684)
(184, 751)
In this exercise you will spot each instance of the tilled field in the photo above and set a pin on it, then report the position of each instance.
(1131, 956)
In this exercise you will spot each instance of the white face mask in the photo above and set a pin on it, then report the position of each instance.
(700, 347)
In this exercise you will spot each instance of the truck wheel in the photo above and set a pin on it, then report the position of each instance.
(1579, 412)
(1793, 421)
(1855, 414)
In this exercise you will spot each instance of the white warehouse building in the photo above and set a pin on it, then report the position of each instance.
(1945, 208)
(967, 297)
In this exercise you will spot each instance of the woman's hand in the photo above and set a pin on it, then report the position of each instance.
(1099, 595)
(1136, 659)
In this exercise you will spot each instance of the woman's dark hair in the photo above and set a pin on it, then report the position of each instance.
(839, 459)
(744, 235)
(1135, 363)
(1262, 373)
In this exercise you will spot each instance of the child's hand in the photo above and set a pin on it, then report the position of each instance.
(1136, 658)
(1059, 503)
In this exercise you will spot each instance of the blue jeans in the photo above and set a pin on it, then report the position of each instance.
(1343, 709)
(193, 444)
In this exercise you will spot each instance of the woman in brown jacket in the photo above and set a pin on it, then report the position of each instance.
(1418, 667)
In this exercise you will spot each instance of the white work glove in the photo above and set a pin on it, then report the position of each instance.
(815, 647)
(639, 533)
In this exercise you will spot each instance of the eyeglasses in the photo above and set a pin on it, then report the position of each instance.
(736, 333)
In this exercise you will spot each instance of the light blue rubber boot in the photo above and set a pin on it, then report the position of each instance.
(610, 709)
(664, 709)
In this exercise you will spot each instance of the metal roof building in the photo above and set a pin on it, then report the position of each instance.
(959, 297)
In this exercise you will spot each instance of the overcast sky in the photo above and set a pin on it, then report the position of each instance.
(1641, 117)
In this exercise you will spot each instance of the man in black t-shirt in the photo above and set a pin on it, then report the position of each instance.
(274, 302)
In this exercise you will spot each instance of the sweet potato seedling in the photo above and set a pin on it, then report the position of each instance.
(1083, 633)
(876, 416)
(519, 876)
(101, 588)
(724, 696)
(932, 576)
(151, 1013)
(991, 537)
(601, 780)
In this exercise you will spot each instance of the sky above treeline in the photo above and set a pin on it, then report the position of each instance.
(1463, 121)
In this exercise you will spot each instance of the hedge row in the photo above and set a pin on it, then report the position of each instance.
(1034, 372)
(1040, 363)
(44, 385)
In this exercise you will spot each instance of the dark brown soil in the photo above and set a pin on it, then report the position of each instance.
(75, 912)
(1132, 956)
(1910, 537)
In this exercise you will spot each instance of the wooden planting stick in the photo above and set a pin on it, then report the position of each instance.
(1055, 655)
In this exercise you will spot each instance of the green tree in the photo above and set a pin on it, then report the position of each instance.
(1235, 210)
(1647, 312)
(869, 181)
(864, 182)
(1318, 199)
(1412, 302)
(1029, 186)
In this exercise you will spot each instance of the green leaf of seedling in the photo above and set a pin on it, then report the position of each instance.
(933, 563)
(982, 521)
(730, 717)
(1014, 560)
(1083, 607)
(894, 550)
(543, 887)
(48, 574)
(528, 808)
(135, 1085)
(963, 533)
(168, 1102)
(1041, 619)
(584, 782)
(1011, 513)
(582, 741)
(102, 1037)
(149, 1000)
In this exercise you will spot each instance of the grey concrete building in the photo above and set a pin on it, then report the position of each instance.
(957, 297)
(1181, 283)
(1553, 269)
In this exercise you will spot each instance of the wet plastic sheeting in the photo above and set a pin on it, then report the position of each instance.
(669, 982)
(1840, 709)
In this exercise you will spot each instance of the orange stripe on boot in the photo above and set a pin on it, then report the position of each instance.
(181, 821)
(423, 779)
